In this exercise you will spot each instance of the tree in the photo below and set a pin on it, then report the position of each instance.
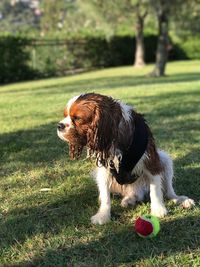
(54, 15)
(122, 11)
(162, 10)
(97, 16)
(185, 14)
(186, 19)
(51, 15)
(139, 32)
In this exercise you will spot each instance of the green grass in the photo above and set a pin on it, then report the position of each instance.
(53, 228)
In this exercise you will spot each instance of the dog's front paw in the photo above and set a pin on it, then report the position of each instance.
(101, 217)
(159, 211)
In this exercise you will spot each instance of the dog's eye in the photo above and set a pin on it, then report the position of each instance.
(76, 118)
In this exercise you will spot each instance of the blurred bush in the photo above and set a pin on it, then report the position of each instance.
(15, 59)
(23, 58)
(191, 47)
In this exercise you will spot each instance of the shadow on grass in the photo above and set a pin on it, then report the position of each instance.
(56, 212)
(111, 82)
(125, 247)
(37, 146)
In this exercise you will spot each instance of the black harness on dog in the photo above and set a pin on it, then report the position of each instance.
(134, 153)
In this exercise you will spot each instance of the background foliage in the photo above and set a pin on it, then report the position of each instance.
(15, 59)
(54, 37)
(25, 58)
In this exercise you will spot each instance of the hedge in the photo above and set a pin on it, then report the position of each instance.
(14, 60)
(23, 58)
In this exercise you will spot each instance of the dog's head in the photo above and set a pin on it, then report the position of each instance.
(90, 120)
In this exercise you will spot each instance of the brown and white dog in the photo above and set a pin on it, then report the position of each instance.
(127, 159)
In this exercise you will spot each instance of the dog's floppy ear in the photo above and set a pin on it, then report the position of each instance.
(135, 151)
(104, 128)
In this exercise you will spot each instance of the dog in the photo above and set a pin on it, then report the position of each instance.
(128, 162)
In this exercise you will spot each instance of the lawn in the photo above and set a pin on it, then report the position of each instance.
(52, 228)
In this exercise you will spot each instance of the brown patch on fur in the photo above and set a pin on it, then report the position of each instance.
(65, 112)
(152, 163)
(76, 141)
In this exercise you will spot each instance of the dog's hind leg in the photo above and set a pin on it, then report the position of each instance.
(168, 174)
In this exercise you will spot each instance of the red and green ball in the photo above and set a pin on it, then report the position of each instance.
(147, 226)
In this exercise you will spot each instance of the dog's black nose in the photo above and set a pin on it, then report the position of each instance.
(61, 126)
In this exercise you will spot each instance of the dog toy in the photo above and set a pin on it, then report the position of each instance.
(147, 226)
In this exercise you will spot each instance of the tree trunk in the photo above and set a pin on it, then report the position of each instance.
(139, 43)
(163, 43)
